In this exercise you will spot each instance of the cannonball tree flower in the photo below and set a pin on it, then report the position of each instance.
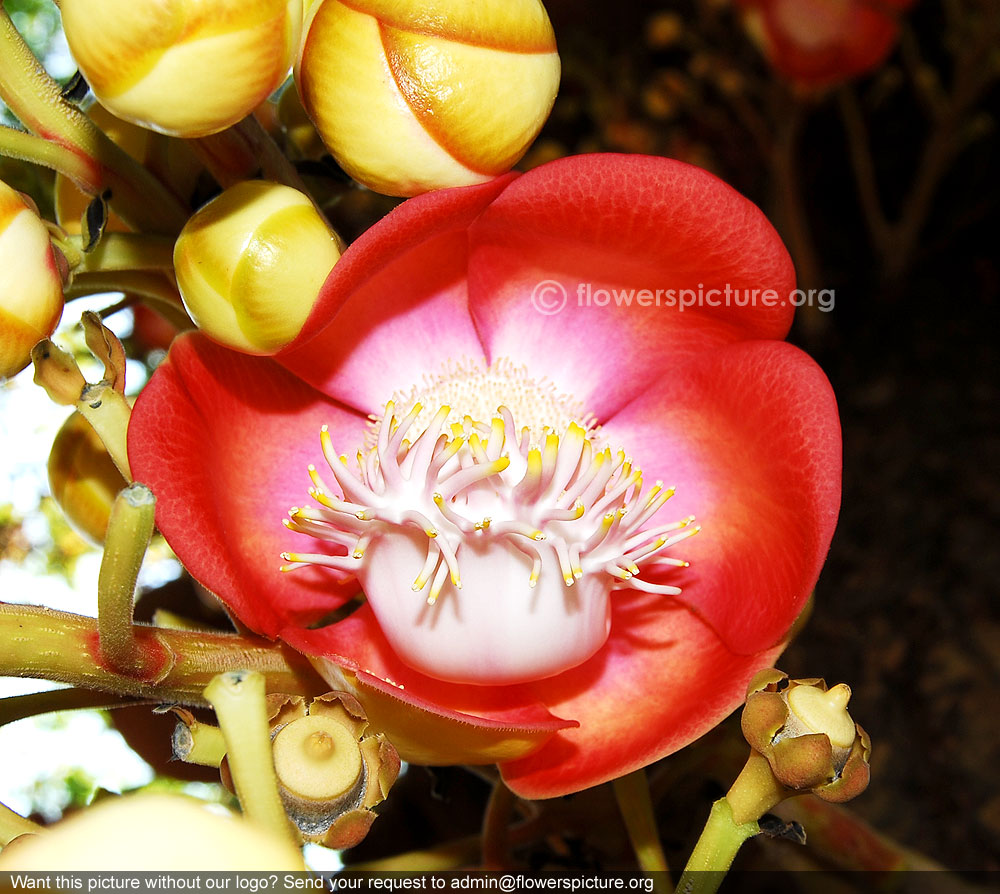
(819, 43)
(442, 440)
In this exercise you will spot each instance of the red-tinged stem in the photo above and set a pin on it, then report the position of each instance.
(139, 198)
(27, 147)
(177, 664)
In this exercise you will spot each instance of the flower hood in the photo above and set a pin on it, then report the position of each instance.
(708, 398)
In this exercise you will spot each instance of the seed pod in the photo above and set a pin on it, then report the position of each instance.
(183, 67)
(250, 264)
(414, 96)
(31, 297)
(805, 732)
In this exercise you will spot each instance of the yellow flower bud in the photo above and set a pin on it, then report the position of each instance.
(31, 298)
(83, 478)
(183, 67)
(152, 832)
(250, 264)
(417, 95)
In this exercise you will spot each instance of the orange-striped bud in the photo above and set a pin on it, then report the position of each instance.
(250, 264)
(31, 297)
(183, 67)
(413, 96)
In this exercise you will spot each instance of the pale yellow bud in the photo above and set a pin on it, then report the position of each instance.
(250, 265)
(421, 94)
(31, 297)
(150, 832)
(183, 67)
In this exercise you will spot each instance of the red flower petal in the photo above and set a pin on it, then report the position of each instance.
(428, 721)
(750, 436)
(395, 305)
(648, 693)
(224, 440)
(620, 222)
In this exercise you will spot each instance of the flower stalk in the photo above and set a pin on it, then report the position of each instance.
(27, 147)
(636, 806)
(238, 698)
(195, 742)
(496, 824)
(52, 645)
(126, 251)
(718, 845)
(102, 404)
(130, 528)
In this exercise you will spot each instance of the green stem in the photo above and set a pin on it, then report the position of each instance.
(127, 251)
(195, 742)
(632, 794)
(139, 198)
(718, 845)
(50, 645)
(496, 821)
(27, 147)
(732, 821)
(13, 824)
(129, 529)
(18, 707)
(238, 698)
(108, 412)
(153, 288)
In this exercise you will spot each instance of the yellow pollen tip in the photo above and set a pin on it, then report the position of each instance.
(538, 535)
(358, 554)
(363, 515)
(578, 510)
(287, 557)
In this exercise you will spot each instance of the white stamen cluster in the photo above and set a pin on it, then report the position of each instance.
(465, 483)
